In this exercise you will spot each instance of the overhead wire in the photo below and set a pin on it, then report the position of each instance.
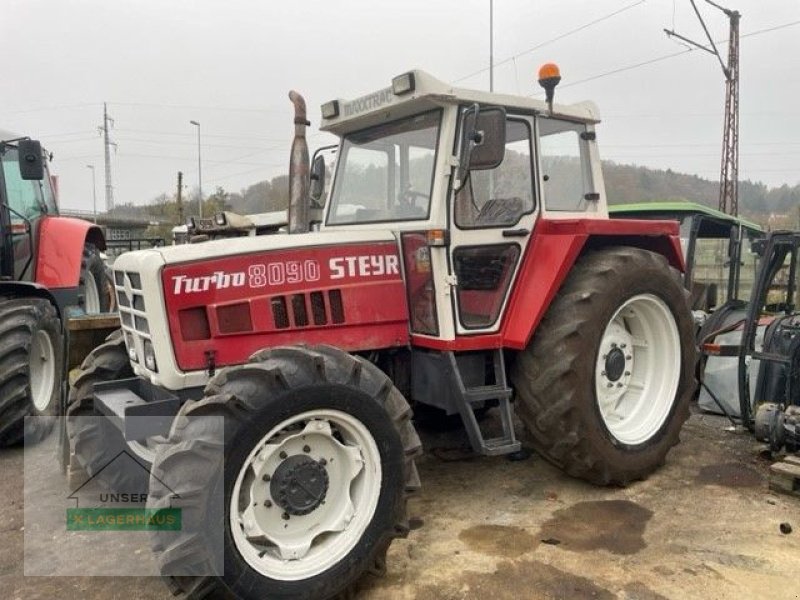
(555, 39)
(668, 56)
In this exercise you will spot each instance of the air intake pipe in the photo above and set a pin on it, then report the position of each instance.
(299, 168)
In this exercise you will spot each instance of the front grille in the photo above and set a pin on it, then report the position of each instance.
(130, 299)
(299, 303)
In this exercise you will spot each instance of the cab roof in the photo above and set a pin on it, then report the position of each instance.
(678, 210)
(8, 135)
(429, 93)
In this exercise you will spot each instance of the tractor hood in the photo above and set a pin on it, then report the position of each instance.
(189, 310)
(246, 245)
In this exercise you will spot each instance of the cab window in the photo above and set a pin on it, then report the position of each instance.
(566, 178)
(499, 197)
(385, 173)
(25, 198)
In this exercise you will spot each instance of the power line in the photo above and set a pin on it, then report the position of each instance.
(202, 107)
(555, 39)
(205, 135)
(668, 56)
(54, 107)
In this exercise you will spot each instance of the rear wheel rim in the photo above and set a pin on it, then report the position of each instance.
(91, 295)
(42, 370)
(638, 369)
(305, 545)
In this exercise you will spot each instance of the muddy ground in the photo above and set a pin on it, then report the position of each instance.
(705, 526)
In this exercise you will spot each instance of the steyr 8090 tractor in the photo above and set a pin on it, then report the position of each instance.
(465, 259)
(47, 263)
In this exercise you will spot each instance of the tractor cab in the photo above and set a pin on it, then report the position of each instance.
(26, 196)
(720, 262)
(463, 176)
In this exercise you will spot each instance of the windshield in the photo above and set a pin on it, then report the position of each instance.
(385, 173)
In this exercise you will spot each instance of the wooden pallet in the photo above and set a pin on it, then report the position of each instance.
(784, 476)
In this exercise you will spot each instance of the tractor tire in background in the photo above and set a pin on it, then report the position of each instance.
(95, 443)
(604, 386)
(95, 290)
(314, 441)
(31, 369)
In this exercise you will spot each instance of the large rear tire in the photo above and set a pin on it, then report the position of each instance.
(604, 386)
(95, 288)
(95, 443)
(31, 369)
(294, 413)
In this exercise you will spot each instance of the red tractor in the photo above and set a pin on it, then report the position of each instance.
(47, 264)
(464, 259)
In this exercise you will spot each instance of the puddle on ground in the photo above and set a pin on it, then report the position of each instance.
(498, 540)
(733, 475)
(513, 580)
(614, 525)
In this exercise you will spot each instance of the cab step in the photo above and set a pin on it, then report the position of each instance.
(467, 398)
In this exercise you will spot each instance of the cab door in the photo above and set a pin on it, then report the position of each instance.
(24, 203)
(493, 214)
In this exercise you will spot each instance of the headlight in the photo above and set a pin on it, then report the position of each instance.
(220, 219)
(330, 109)
(150, 356)
(131, 349)
(403, 84)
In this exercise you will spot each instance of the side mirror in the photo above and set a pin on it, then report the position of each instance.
(483, 139)
(317, 187)
(31, 162)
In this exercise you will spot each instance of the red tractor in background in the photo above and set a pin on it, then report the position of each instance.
(48, 263)
(464, 259)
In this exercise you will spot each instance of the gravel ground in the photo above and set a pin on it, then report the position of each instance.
(705, 526)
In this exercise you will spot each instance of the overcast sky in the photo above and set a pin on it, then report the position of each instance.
(229, 65)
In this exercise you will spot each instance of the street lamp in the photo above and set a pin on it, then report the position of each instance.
(94, 193)
(199, 169)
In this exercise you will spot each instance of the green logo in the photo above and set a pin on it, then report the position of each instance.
(128, 518)
(123, 519)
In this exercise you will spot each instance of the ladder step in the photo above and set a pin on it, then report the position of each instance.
(487, 392)
(498, 446)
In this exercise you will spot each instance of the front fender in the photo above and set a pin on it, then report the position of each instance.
(61, 243)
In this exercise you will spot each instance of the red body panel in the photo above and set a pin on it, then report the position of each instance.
(373, 312)
(555, 246)
(60, 252)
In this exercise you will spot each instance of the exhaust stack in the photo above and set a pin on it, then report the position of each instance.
(299, 168)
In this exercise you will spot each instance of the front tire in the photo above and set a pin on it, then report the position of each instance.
(95, 443)
(31, 369)
(294, 413)
(605, 385)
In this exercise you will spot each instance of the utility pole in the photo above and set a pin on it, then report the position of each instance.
(199, 170)
(108, 123)
(729, 169)
(179, 199)
(491, 45)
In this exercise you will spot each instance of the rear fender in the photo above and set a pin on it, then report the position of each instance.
(61, 243)
(556, 246)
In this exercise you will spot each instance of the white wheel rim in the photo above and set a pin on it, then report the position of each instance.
(303, 546)
(42, 371)
(91, 295)
(636, 399)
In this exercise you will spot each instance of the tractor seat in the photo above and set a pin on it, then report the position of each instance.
(500, 211)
